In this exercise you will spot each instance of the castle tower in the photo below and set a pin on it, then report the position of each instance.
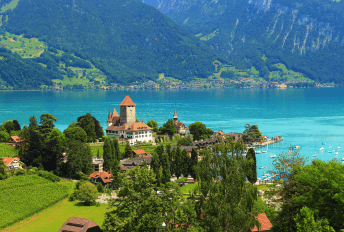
(127, 111)
(175, 116)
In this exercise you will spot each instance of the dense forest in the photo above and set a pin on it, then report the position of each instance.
(305, 35)
(22, 73)
(128, 40)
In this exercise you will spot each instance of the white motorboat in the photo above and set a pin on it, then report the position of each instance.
(273, 156)
(336, 153)
(321, 149)
(330, 151)
(342, 159)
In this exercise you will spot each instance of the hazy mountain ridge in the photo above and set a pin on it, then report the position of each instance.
(307, 35)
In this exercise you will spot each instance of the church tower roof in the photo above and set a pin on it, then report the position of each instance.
(127, 102)
(175, 116)
(114, 113)
(109, 118)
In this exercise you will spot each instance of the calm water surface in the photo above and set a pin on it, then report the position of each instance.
(304, 117)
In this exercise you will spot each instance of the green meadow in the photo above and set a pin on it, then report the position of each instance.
(8, 151)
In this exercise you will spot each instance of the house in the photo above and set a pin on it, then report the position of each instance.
(205, 143)
(97, 164)
(264, 221)
(235, 136)
(12, 163)
(101, 177)
(219, 133)
(134, 162)
(264, 137)
(124, 126)
(141, 153)
(79, 225)
(15, 141)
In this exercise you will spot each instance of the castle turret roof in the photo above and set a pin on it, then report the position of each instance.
(114, 113)
(109, 118)
(127, 102)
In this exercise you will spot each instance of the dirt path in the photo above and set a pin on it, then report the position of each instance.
(34, 217)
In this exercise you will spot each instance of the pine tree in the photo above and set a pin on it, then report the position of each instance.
(185, 164)
(107, 154)
(128, 150)
(33, 123)
(166, 171)
(178, 163)
(117, 152)
(251, 166)
(194, 161)
(155, 165)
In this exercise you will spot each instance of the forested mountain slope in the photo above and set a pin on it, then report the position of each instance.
(128, 40)
(306, 35)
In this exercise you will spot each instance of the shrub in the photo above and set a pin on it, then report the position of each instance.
(100, 188)
(48, 175)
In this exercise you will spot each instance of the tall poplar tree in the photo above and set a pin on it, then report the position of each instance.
(116, 146)
(166, 170)
(128, 150)
(194, 161)
(178, 160)
(251, 171)
(107, 155)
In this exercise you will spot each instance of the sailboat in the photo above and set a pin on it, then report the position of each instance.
(261, 167)
(321, 149)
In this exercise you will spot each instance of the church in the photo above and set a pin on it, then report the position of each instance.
(180, 127)
(124, 126)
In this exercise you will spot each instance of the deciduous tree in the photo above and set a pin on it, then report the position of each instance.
(153, 124)
(3, 171)
(87, 123)
(87, 193)
(73, 132)
(47, 121)
(128, 150)
(33, 123)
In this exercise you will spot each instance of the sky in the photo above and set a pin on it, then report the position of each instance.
(151, 2)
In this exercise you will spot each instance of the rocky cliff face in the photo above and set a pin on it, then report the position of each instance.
(296, 31)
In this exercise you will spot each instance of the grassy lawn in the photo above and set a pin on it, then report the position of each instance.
(95, 149)
(187, 188)
(264, 187)
(10, 6)
(8, 151)
(53, 218)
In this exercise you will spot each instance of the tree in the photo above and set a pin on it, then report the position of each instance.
(31, 153)
(116, 149)
(305, 222)
(73, 132)
(252, 133)
(98, 129)
(185, 164)
(224, 199)
(155, 165)
(4, 136)
(194, 161)
(47, 121)
(87, 123)
(200, 131)
(33, 123)
(178, 162)
(87, 193)
(9, 126)
(79, 159)
(138, 207)
(318, 186)
(16, 125)
(107, 155)
(166, 170)
(251, 171)
(153, 124)
(128, 151)
(168, 128)
(3, 171)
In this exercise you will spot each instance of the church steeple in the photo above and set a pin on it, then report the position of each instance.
(175, 116)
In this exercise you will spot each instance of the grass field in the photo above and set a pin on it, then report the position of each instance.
(32, 195)
(188, 188)
(53, 218)
(8, 151)
(10, 6)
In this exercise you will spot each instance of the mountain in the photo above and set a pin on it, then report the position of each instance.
(126, 39)
(305, 35)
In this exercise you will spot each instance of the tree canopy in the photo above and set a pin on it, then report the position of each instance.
(200, 131)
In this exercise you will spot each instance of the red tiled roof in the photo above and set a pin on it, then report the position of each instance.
(106, 177)
(8, 160)
(220, 132)
(139, 152)
(132, 126)
(16, 139)
(264, 220)
(127, 102)
(179, 124)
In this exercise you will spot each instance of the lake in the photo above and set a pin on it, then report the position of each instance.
(303, 117)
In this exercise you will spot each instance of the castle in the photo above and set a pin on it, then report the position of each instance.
(124, 126)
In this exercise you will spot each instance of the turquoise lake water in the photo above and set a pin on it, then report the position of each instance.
(303, 117)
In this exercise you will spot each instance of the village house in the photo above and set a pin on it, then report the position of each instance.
(235, 136)
(180, 127)
(219, 133)
(15, 141)
(134, 162)
(79, 224)
(124, 126)
(205, 143)
(97, 164)
(12, 163)
(141, 153)
(103, 178)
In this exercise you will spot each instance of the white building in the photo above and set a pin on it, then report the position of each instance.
(125, 127)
